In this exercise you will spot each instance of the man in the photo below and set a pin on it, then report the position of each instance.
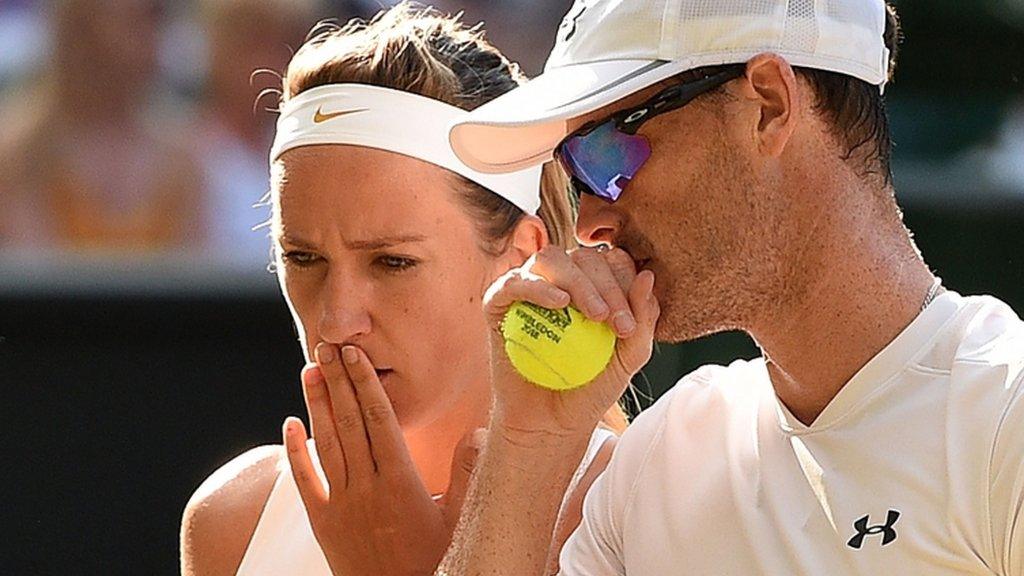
(739, 153)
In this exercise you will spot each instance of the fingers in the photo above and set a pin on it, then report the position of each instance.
(589, 278)
(643, 300)
(347, 416)
(463, 463)
(311, 490)
(610, 283)
(560, 269)
(635, 351)
(519, 285)
(595, 282)
(321, 420)
(622, 267)
(387, 444)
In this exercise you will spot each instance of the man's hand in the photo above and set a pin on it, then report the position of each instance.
(605, 287)
(537, 437)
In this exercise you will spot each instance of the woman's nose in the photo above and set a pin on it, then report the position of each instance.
(344, 311)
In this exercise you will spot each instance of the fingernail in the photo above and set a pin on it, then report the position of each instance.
(597, 307)
(559, 295)
(289, 426)
(312, 376)
(348, 354)
(624, 322)
(325, 354)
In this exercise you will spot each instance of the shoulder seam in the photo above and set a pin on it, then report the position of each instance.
(631, 497)
(1017, 385)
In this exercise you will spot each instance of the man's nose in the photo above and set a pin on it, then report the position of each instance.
(597, 223)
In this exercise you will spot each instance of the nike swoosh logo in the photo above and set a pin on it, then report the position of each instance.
(320, 117)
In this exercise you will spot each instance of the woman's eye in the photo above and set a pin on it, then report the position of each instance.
(396, 263)
(299, 258)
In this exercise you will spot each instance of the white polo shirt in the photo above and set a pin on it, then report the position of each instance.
(915, 468)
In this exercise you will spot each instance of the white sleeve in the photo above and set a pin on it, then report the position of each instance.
(594, 548)
(1006, 495)
(597, 548)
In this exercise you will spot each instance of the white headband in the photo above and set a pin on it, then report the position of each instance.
(396, 121)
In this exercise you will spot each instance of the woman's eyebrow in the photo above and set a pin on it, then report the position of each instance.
(377, 243)
(384, 242)
(290, 240)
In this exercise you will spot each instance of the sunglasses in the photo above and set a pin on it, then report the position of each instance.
(602, 157)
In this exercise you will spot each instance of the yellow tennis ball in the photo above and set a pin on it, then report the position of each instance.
(556, 349)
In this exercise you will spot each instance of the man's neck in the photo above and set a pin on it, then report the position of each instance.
(864, 284)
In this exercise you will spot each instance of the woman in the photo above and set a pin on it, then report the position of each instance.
(385, 246)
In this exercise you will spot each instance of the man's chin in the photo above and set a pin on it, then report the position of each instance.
(673, 334)
(677, 325)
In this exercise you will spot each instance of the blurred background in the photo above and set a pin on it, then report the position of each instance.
(143, 341)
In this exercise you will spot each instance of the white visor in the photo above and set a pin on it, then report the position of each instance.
(395, 121)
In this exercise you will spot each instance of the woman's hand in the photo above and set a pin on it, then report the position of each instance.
(377, 516)
(604, 286)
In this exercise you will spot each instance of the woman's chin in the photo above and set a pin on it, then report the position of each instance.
(413, 414)
(420, 406)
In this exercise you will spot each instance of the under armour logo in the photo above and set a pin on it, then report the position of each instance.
(863, 530)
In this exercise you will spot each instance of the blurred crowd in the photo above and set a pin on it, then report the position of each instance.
(137, 125)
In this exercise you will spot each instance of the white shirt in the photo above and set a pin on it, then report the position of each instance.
(283, 542)
(915, 468)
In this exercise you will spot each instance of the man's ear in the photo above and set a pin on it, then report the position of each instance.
(772, 85)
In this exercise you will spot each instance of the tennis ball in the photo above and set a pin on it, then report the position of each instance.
(556, 349)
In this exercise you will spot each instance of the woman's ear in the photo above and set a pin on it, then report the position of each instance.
(528, 237)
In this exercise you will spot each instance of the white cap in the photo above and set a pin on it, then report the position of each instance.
(609, 49)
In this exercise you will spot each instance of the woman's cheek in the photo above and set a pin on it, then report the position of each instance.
(302, 305)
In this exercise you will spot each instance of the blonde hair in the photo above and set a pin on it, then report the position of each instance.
(421, 51)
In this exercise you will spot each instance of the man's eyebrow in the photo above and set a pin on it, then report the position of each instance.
(384, 242)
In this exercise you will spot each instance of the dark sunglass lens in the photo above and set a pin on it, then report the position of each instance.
(605, 160)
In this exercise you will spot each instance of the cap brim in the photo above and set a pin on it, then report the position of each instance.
(521, 128)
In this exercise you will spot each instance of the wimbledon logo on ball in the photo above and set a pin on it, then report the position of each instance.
(535, 327)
